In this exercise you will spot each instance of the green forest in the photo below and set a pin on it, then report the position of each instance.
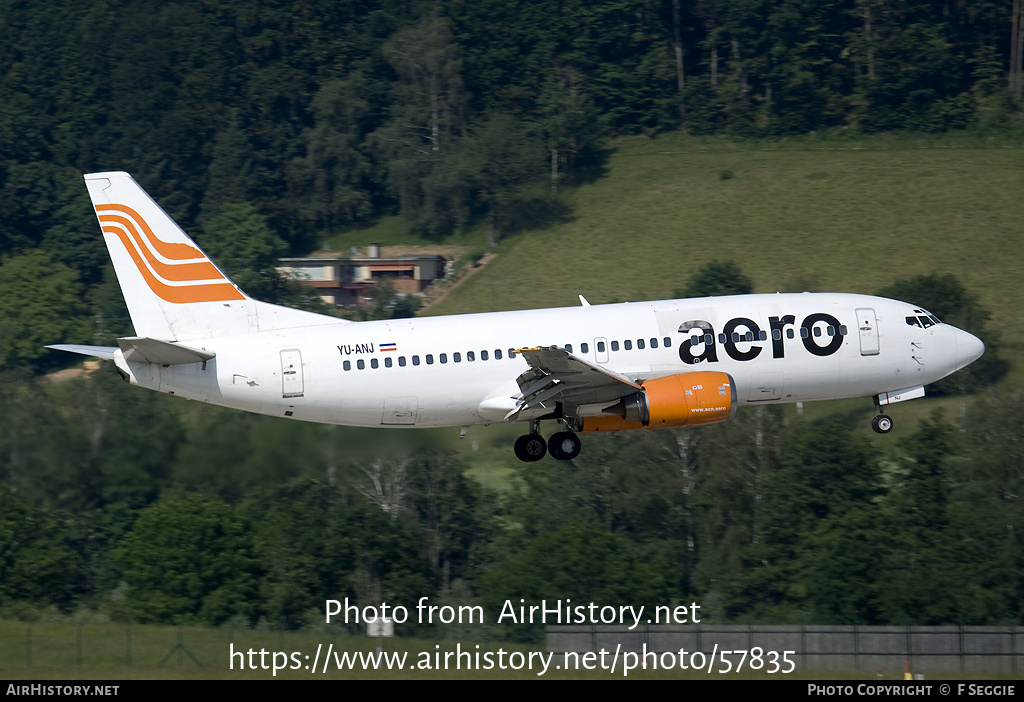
(267, 128)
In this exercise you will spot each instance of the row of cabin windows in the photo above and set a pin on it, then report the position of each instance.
(762, 335)
(627, 345)
(389, 361)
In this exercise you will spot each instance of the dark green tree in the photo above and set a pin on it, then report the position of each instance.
(189, 559)
(36, 564)
(717, 278)
(40, 304)
(827, 477)
(428, 116)
(580, 561)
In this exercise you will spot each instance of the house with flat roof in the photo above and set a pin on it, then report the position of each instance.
(347, 281)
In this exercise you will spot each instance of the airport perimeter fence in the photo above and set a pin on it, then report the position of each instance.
(947, 649)
(98, 645)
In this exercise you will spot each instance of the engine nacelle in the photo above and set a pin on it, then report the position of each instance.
(685, 399)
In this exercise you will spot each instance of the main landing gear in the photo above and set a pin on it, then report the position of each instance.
(563, 445)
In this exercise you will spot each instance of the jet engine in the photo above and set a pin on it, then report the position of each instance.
(685, 399)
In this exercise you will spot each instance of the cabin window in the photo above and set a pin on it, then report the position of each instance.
(842, 330)
(388, 362)
(817, 331)
(457, 357)
(401, 361)
(497, 354)
(511, 353)
(615, 346)
(668, 342)
(777, 334)
(415, 360)
(654, 343)
(804, 333)
(360, 364)
(374, 363)
(347, 365)
(470, 356)
(442, 357)
(600, 347)
(430, 359)
(483, 355)
(830, 330)
(568, 347)
(640, 344)
(790, 334)
(584, 347)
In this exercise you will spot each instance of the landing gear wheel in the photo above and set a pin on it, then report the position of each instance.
(564, 446)
(530, 448)
(882, 424)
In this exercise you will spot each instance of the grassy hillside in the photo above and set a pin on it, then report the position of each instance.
(802, 215)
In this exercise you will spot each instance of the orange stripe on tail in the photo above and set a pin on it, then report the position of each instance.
(195, 271)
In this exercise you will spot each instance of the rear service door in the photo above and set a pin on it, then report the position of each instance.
(291, 373)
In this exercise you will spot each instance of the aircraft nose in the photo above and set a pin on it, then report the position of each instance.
(968, 348)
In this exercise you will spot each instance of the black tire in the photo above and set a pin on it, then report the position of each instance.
(882, 424)
(530, 448)
(564, 446)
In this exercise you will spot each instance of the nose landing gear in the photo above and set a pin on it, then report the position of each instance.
(881, 423)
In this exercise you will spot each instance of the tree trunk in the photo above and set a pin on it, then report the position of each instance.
(492, 239)
(714, 66)
(1014, 21)
(867, 40)
(554, 171)
(1016, 51)
(744, 88)
(677, 45)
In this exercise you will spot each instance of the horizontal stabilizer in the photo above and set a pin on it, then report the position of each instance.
(164, 353)
(97, 351)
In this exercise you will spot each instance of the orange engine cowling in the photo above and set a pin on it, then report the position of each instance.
(685, 399)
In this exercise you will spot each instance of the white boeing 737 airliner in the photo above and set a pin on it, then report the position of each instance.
(589, 368)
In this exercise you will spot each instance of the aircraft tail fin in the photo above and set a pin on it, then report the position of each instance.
(173, 290)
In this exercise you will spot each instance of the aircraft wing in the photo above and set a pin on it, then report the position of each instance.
(557, 375)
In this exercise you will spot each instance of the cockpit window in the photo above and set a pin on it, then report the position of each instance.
(923, 319)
